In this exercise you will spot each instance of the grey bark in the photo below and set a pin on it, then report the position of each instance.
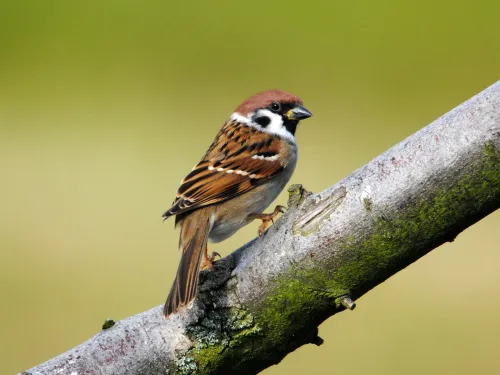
(268, 297)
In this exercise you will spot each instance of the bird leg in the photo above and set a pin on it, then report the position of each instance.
(207, 261)
(266, 218)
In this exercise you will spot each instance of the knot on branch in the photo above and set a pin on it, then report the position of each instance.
(296, 195)
(347, 302)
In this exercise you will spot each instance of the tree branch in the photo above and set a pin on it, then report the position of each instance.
(324, 253)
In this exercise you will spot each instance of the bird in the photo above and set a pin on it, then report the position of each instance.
(246, 167)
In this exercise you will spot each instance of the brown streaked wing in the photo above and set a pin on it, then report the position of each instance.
(233, 150)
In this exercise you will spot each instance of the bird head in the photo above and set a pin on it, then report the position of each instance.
(276, 112)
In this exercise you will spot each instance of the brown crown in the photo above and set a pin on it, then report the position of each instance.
(265, 98)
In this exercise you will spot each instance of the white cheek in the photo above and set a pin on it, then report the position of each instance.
(276, 125)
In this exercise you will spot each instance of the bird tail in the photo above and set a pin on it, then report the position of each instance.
(193, 242)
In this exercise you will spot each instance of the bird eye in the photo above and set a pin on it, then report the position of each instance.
(275, 106)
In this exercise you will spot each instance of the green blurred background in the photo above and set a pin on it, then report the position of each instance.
(106, 105)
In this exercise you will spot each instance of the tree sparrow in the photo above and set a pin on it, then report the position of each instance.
(246, 167)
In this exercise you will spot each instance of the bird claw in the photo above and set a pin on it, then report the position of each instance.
(281, 209)
(266, 218)
(208, 262)
(213, 255)
(206, 265)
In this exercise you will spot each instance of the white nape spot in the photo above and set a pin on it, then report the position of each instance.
(211, 168)
(243, 173)
(268, 158)
(253, 176)
(220, 169)
(239, 118)
(229, 171)
(74, 373)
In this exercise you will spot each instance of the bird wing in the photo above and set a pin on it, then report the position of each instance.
(239, 159)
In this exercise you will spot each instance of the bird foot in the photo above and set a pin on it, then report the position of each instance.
(208, 261)
(266, 218)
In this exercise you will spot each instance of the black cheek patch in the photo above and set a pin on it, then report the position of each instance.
(262, 121)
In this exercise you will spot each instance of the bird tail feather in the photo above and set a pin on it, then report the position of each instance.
(193, 242)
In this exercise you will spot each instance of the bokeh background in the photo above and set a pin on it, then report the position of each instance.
(106, 105)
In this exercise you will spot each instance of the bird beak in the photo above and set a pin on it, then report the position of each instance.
(298, 113)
